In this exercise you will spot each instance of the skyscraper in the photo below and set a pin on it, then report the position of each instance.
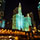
(19, 18)
(20, 22)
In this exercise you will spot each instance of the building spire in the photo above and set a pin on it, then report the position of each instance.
(19, 8)
(19, 4)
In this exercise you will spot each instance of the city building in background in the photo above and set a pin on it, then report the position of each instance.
(27, 22)
(2, 8)
(32, 19)
(14, 22)
(39, 9)
(2, 22)
(20, 22)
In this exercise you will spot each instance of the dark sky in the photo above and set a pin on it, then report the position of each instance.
(27, 6)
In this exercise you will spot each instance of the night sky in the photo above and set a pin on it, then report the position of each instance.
(27, 6)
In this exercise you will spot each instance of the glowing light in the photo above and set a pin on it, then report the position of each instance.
(10, 36)
(38, 30)
(34, 27)
(2, 29)
(10, 39)
(27, 34)
(33, 31)
(39, 2)
(16, 38)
